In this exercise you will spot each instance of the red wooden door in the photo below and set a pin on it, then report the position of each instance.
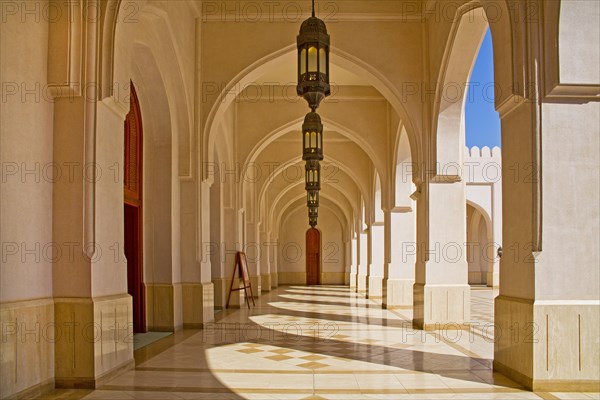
(313, 256)
(133, 212)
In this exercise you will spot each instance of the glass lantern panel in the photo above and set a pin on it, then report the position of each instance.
(322, 61)
(306, 140)
(312, 59)
(319, 140)
(313, 139)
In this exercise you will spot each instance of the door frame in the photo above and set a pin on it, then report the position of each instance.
(134, 198)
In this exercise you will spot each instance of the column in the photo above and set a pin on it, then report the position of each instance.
(441, 292)
(547, 315)
(377, 261)
(198, 291)
(363, 271)
(400, 272)
(273, 251)
(265, 265)
(253, 250)
(354, 251)
(347, 260)
(89, 280)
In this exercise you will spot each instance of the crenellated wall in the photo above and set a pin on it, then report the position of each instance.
(482, 172)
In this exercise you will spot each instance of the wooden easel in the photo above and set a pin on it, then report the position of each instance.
(241, 266)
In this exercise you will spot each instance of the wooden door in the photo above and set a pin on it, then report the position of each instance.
(313, 256)
(132, 212)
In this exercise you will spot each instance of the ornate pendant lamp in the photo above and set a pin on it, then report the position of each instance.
(313, 85)
(312, 186)
(313, 175)
(312, 137)
(313, 215)
(312, 198)
(313, 61)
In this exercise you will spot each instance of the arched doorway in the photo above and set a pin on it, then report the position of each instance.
(480, 249)
(313, 256)
(133, 211)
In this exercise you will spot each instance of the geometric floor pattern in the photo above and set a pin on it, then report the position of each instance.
(320, 342)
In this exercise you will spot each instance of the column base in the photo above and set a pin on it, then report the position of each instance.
(97, 342)
(361, 284)
(477, 278)
(164, 308)
(375, 290)
(198, 304)
(492, 279)
(441, 306)
(398, 293)
(548, 346)
(353, 283)
(265, 282)
(274, 280)
(221, 288)
(255, 281)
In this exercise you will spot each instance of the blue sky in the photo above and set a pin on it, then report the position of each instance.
(482, 121)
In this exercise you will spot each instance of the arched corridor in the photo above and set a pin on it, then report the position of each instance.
(444, 271)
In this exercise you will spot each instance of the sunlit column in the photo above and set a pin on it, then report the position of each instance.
(377, 261)
(441, 292)
(363, 261)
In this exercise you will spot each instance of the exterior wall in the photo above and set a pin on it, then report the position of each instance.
(482, 171)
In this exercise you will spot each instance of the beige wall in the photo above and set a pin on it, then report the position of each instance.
(26, 197)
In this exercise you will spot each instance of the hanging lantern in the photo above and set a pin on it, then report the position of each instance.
(313, 215)
(312, 137)
(313, 175)
(313, 61)
(312, 198)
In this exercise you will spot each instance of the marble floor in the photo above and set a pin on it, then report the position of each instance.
(320, 342)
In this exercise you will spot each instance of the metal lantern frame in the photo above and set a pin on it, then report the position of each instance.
(312, 137)
(313, 215)
(312, 198)
(312, 177)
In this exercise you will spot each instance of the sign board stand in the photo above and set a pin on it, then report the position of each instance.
(241, 265)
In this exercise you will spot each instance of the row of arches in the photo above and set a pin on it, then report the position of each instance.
(394, 139)
(377, 179)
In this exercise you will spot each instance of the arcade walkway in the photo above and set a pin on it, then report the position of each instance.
(319, 343)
